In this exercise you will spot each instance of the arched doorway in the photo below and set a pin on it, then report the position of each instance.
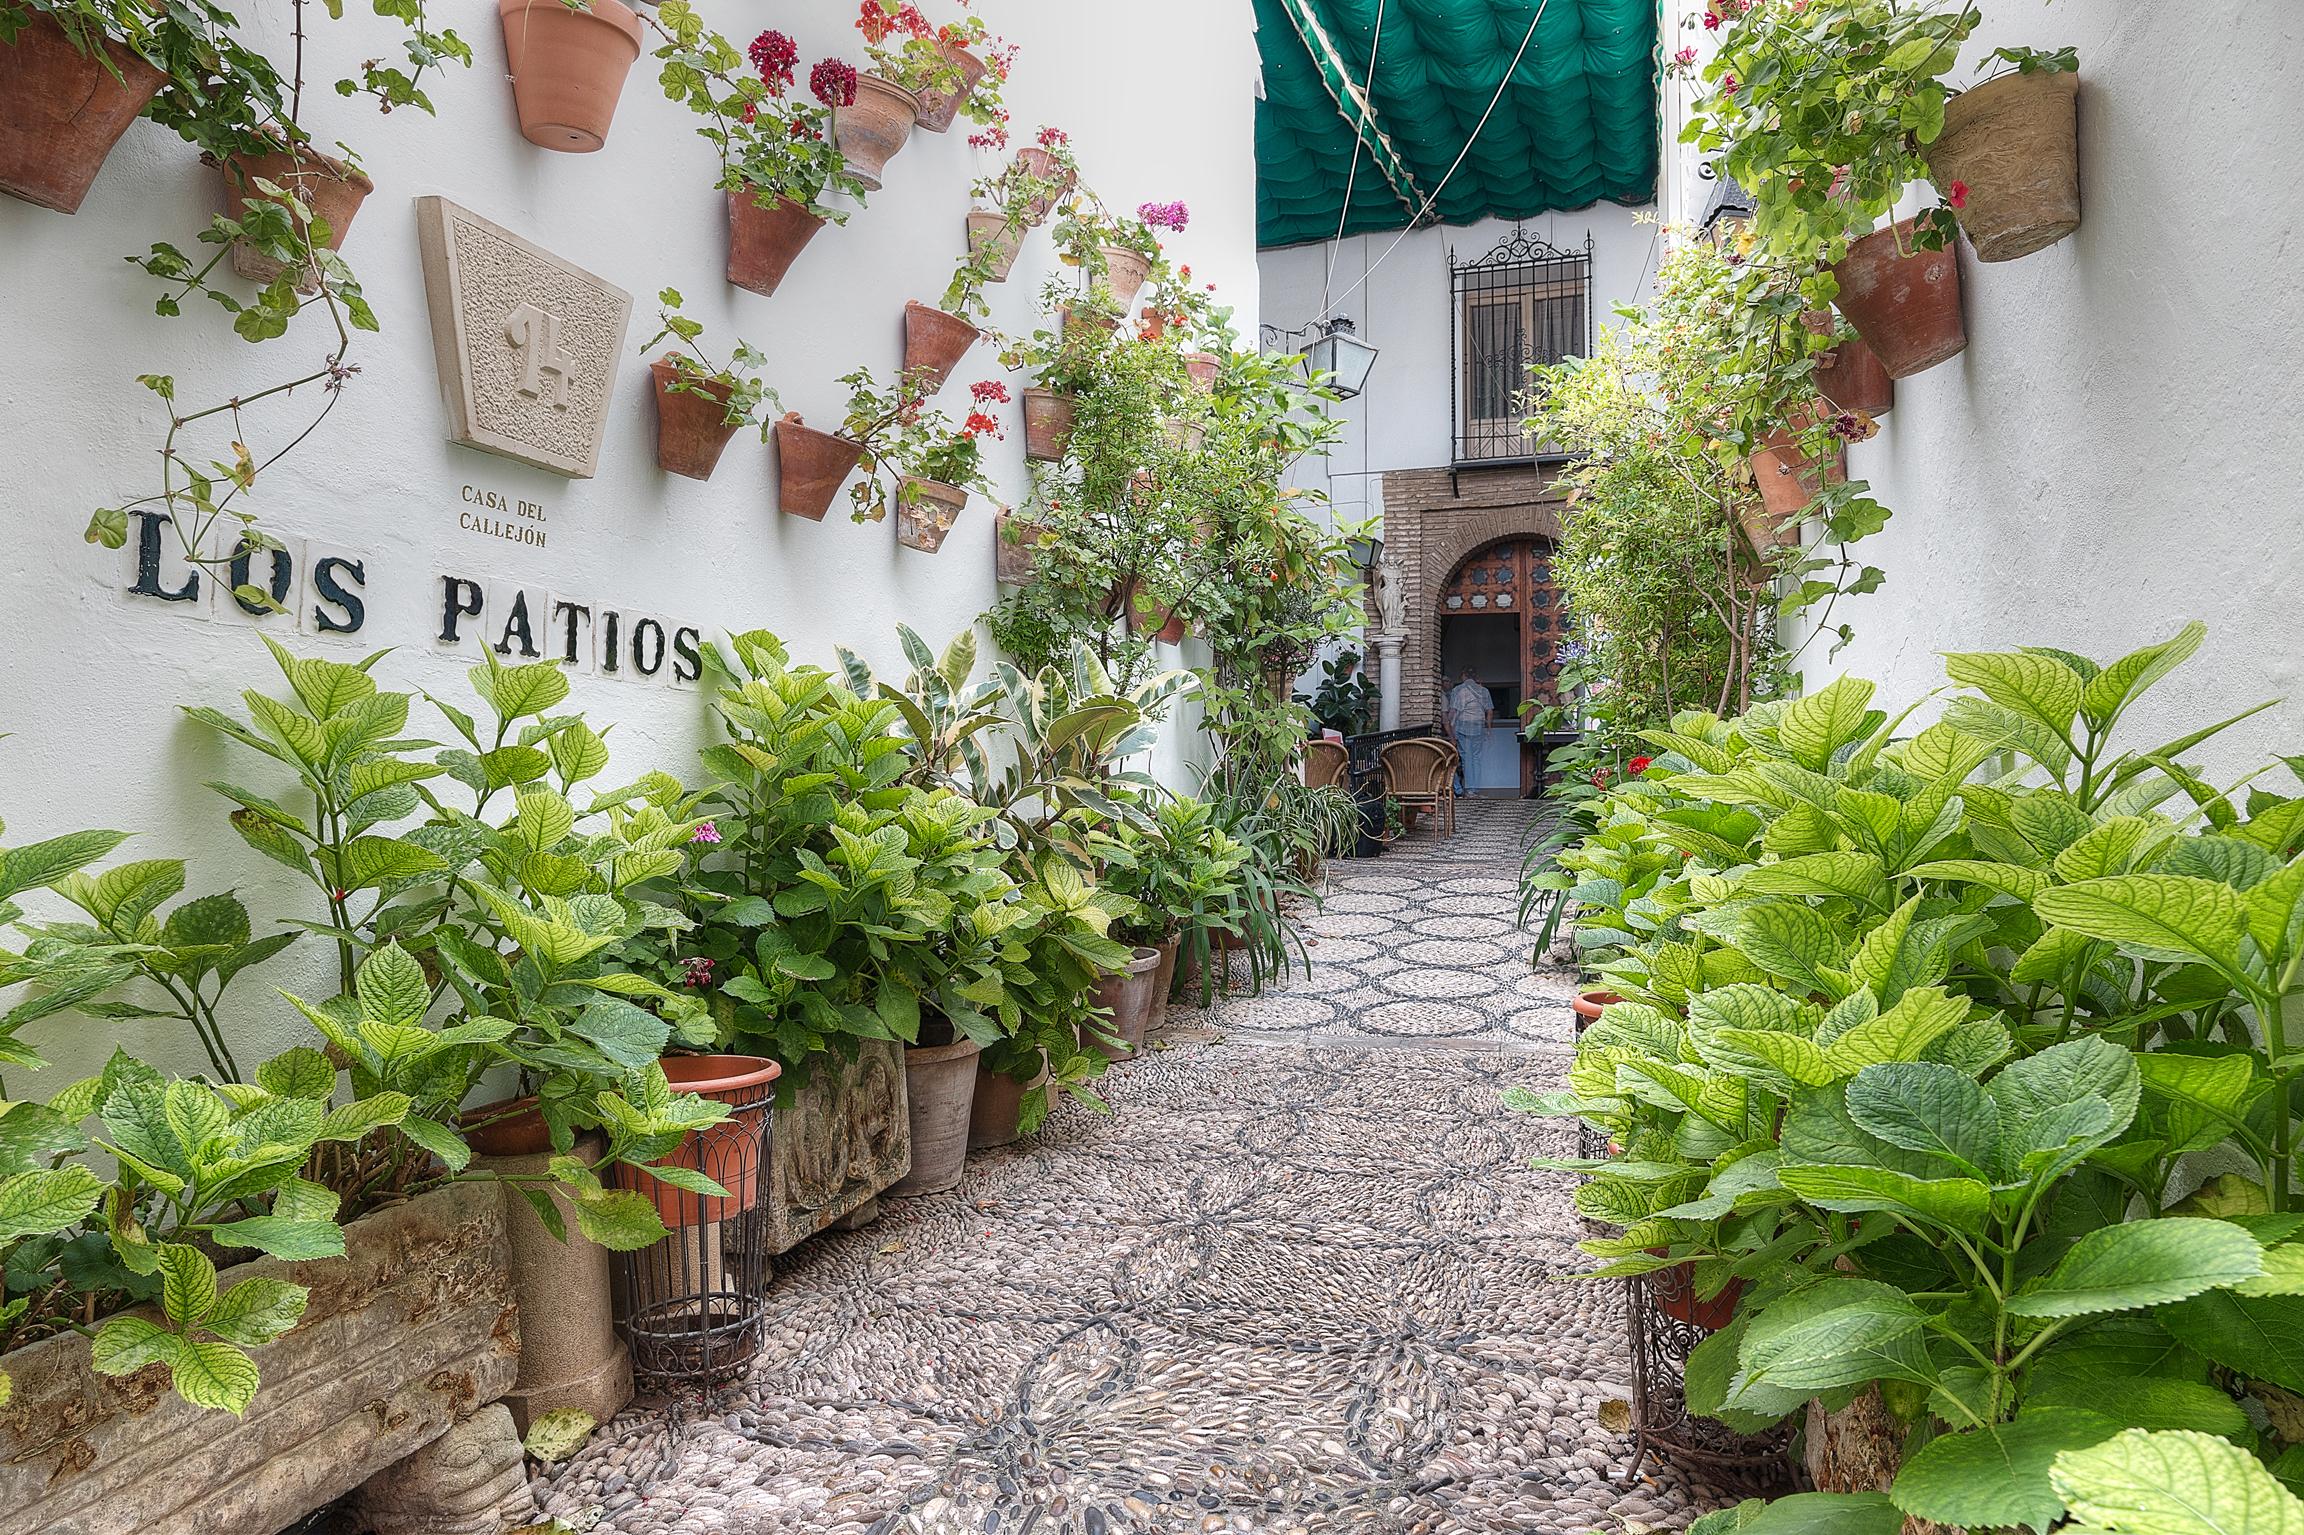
(1499, 616)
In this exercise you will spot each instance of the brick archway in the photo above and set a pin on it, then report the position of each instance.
(1434, 519)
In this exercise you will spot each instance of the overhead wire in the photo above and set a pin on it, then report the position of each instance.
(1351, 173)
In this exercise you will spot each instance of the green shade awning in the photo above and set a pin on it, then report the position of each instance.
(1576, 126)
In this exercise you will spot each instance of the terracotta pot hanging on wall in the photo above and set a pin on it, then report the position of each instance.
(1048, 421)
(1005, 240)
(2014, 142)
(1125, 271)
(1851, 377)
(937, 108)
(1202, 368)
(1788, 479)
(925, 512)
(692, 425)
(810, 466)
(332, 189)
(764, 242)
(1904, 301)
(1039, 164)
(568, 68)
(874, 127)
(934, 342)
(61, 111)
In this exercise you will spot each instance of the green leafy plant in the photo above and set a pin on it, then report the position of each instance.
(1345, 701)
(745, 396)
(772, 144)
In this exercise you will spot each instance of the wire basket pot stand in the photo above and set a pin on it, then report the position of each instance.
(694, 1305)
(1664, 1321)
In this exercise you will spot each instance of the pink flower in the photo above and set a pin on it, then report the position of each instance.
(1958, 197)
(1711, 21)
(834, 83)
(1051, 138)
(707, 834)
(988, 391)
(1165, 215)
(1727, 85)
(1684, 57)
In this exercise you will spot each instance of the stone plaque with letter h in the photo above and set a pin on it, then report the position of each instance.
(528, 345)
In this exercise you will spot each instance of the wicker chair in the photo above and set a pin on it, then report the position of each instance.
(1324, 764)
(1423, 772)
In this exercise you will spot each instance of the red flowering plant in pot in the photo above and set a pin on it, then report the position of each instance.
(699, 404)
(935, 486)
(1049, 170)
(953, 71)
(779, 166)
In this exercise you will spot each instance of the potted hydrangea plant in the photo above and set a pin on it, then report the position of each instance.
(778, 160)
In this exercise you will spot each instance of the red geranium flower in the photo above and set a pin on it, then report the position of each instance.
(774, 55)
(834, 83)
(1959, 195)
(988, 391)
(874, 22)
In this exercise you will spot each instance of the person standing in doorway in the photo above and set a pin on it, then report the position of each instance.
(1470, 708)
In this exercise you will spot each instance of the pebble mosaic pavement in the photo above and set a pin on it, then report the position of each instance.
(1299, 1281)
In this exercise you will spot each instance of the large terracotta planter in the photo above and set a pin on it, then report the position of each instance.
(1014, 548)
(568, 68)
(1851, 377)
(1904, 301)
(509, 1127)
(1589, 1004)
(570, 1356)
(810, 468)
(934, 343)
(924, 517)
(61, 111)
(841, 1140)
(2015, 142)
(936, 108)
(1128, 995)
(1202, 368)
(1004, 239)
(414, 1330)
(1124, 272)
(331, 189)
(764, 242)
(1163, 982)
(1789, 479)
(1048, 421)
(940, 1088)
(1675, 1292)
(1039, 164)
(692, 425)
(996, 1117)
(871, 129)
(730, 1153)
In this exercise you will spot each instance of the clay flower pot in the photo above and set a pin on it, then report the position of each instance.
(925, 512)
(934, 342)
(1163, 981)
(692, 425)
(1851, 377)
(730, 1153)
(1202, 368)
(810, 466)
(1014, 548)
(61, 111)
(568, 68)
(1004, 239)
(1043, 166)
(940, 1081)
(1048, 421)
(874, 127)
(1904, 301)
(2015, 142)
(333, 191)
(1125, 270)
(1788, 479)
(995, 1117)
(1675, 1292)
(936, 108)
(510, 1127)
(1127, 994)
(1070, 321)
(1588, 1005)
(764, 242)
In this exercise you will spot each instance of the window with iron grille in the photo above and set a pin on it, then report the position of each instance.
(1522, 305)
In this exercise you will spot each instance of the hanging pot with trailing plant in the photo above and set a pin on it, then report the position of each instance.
(1040, 165)
(1789, 479)
(937, 108)
(1125, 271)
(994, 232)
(1049, 418)
(692, 425)
(873, 127)
(810, 467)
(934, 343)
(61, 111)
(1903, 300)
(330, 188)
(1850, 376)
(925, 512)
(2012, 147)
(1202, 368)
(1015, 548)
(764, 241)
(568, 65)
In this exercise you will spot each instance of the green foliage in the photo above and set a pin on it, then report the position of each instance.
(1927, 1044)
(745, 399)
(772, 143)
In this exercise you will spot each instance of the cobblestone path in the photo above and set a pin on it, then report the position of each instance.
(1289, 1285)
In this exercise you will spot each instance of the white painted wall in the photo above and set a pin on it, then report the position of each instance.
(1395, 288)
(2117, 450)
(92, 681)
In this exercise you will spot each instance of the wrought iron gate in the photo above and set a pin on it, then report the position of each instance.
(1521, 305)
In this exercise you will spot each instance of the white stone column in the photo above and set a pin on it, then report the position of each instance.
(1388, 678)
